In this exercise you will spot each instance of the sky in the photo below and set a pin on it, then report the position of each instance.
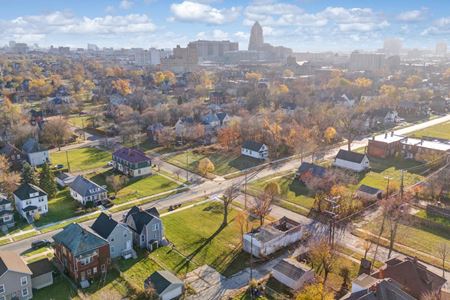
(303, 25)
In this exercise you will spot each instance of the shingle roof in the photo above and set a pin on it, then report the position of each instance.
(221, 116)
(12, 262)
(350, 156)
(131, 155)
(86, 187)
(79, 240)
(142, 217)
(104, 225)
(32, 146)
(25, 189)
(40, 267)
(252, 145)
(368, 189)
(161, 280)
(316, 171)
(8, 149)
(289, 268)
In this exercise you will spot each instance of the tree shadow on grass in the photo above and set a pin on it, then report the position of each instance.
(243, 162)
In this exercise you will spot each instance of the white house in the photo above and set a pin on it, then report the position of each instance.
(30, 200)
(84, 191)
(292, 273)
(64, 179)
(132, 162)
(166, 285)
(36, 154)
(272, 237)
(353, 161)
(255, 150)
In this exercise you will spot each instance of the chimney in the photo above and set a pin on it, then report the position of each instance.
(373, 138)
(386, 135)
(392, 133)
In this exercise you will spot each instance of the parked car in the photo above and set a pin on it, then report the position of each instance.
(59, 166)
(39, 244)
(110, 163)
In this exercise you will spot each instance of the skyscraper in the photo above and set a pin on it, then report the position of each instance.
(256, 37)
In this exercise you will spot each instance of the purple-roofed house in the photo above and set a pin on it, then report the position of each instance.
(132, 162)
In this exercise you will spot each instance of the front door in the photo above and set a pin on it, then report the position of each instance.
(128, 247)
(83, 276)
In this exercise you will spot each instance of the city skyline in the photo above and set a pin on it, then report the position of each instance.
(300, 25)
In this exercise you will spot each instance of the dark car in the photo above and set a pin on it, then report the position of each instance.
(39, 244)
(59, 166)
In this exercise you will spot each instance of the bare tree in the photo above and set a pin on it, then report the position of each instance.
(262, 207)
(116, 182)
(397, 209)
(228, 197)
(443, 251)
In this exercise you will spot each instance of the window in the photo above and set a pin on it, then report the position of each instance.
(86, 260)
(112, 249)
(23, 280)
(155, 227)
(89, 272)
(94, 270)
(2, 288)
(103, 268)
(142, 237)
(24, 292)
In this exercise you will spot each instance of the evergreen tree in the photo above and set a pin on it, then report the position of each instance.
(28, 174)
(47, 181)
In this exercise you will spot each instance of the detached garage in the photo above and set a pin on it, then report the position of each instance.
(42, 273)
(166, 285)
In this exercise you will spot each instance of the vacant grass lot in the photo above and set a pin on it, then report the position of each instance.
(60, 208)
(136, 187)
(295, 192)
(224, 162)
(79, 121)
(81, 159)
(440, 131)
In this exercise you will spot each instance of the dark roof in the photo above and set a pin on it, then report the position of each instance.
(104, 225)
(412, 276)
(289, 269)
(252, 145)
(9, 149)
(25, 189)
(316, 171)
(79, 240)
(86, 187)
(142, 217)
(32, 146)
(29, 208)
(350, 156)
(221, 116)
(131, 155)
(40, 267)
(368, 189)
(386, 289)
(161, 280)
(4, 200)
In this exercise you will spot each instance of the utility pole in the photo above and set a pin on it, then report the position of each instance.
(333, 216)
(187, 166)
(251, 262)
(245, 192)
(387, 187)
(402, 185)
(67, 160)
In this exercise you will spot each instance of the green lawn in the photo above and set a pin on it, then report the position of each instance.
(441, 131)
(137, 187)
(79, 121)
(81, 159)
(224, 162)
(441, 220)
(61, 207)
(59, 290)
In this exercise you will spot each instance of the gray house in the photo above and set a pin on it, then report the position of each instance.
(6, 213)
(84, 191)
(36, 154)
(42, 273)
(15, 277)
(118, 235)
(147, 227)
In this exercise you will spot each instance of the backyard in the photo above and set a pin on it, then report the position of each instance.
(224, 162)
(440, 131)
(81, 159)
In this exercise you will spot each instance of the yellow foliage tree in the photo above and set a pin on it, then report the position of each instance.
(314, 292)
(412, 81)
(122, 86)
(329, 134)
(205, 166)
(253, 76)
(282, 89)
(363, 82)
(288, 73)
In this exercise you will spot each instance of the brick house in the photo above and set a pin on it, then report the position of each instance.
(83, 254)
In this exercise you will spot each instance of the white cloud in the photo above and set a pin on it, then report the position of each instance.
(126, 4)
(412, 15)
(216, 35)
(188, 11)
(439, 27)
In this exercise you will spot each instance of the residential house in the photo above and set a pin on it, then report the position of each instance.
(116, 100)
(382, 117)
(15, 277)
(85, 191)
(369, 193)
(153, 130)
(183, 126)
(118, 235)
(30, 200)
(147, 227)
(132, 162)
(36, 154)
(6, 214)
(308, 170)
(292, 273)
(224, 118)
(288, 107)
(64, 179)
(255, 149)
(167, 285)
(366, 287)
(42, 273)
(15, 157)
(272, 237)
(36, 117)
(83, 254)
(410, 109)
(354, 161)
(217, 97)
(213, 121)
(412, 276)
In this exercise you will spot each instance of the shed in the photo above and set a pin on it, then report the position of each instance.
(166, 285)
(292, 273)
(42, 273)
